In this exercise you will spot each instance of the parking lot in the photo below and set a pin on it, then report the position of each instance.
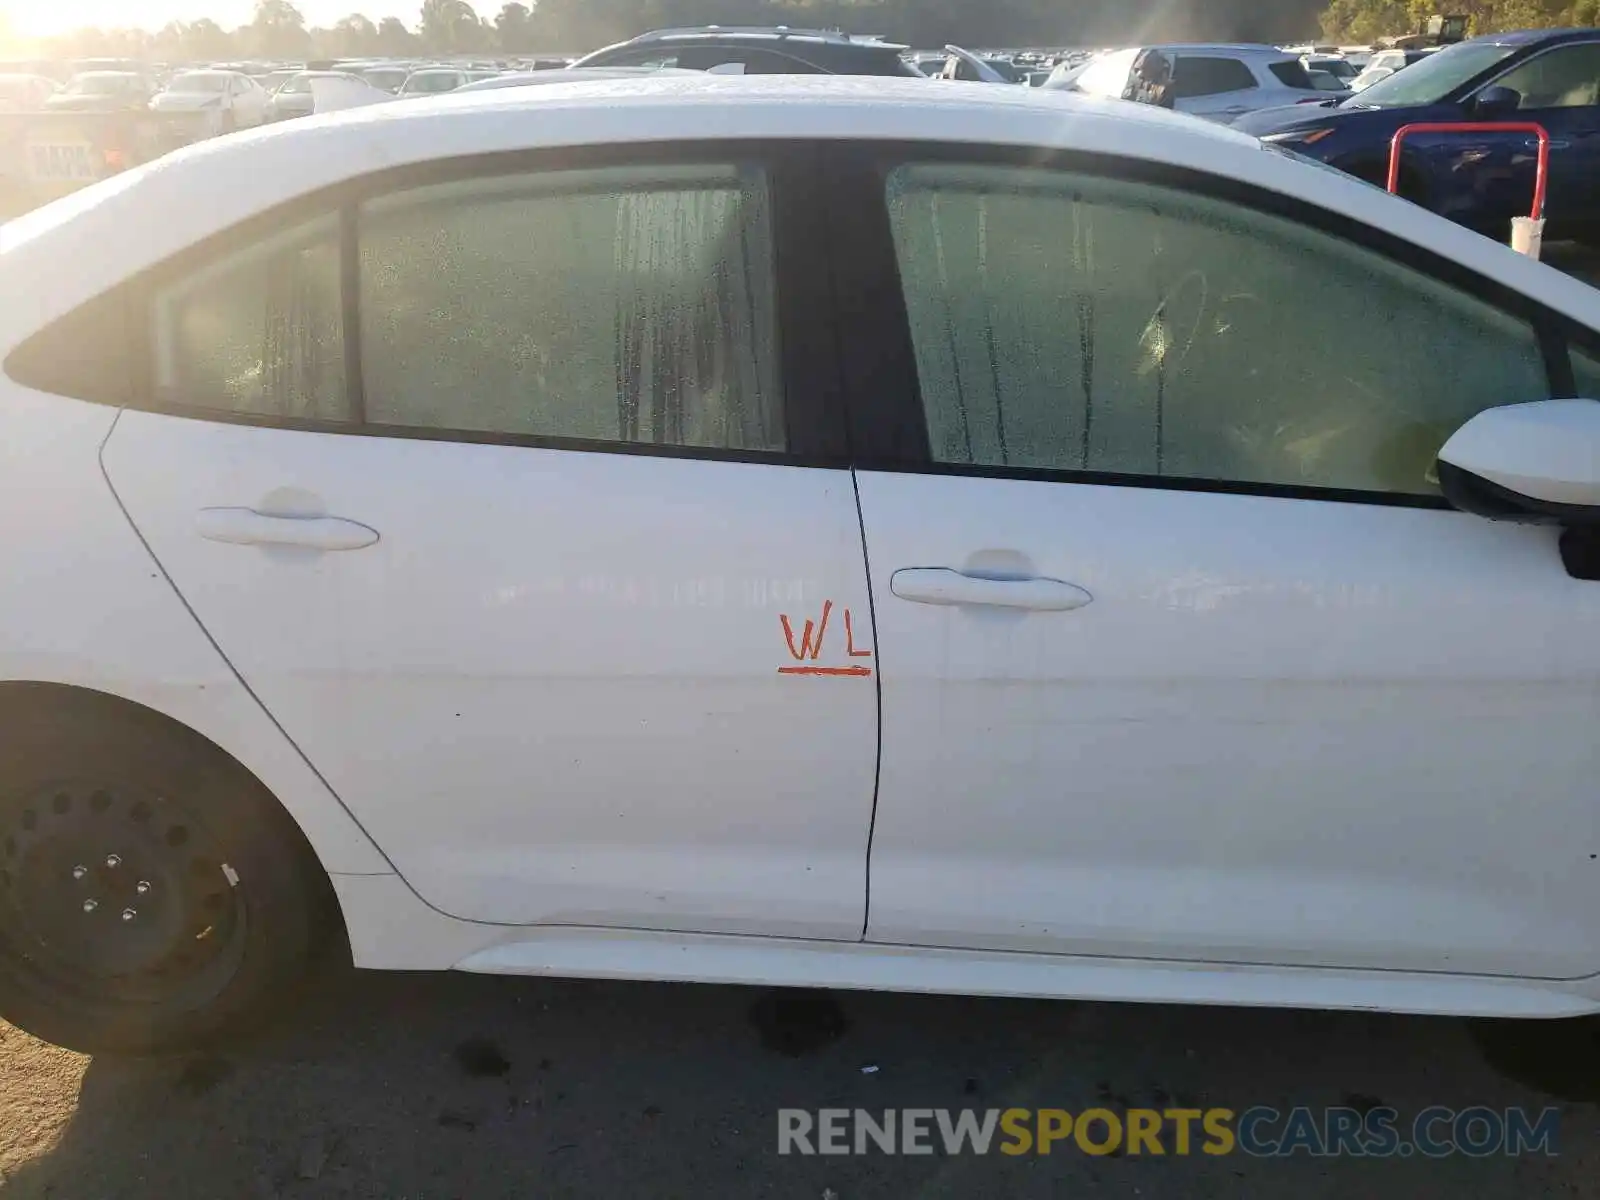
(419, 1086)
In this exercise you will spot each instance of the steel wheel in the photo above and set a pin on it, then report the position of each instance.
(114, 893)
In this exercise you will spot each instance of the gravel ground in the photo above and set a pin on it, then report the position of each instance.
(457, 1086)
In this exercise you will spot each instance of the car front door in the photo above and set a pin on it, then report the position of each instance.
(1559, 89)
(504, 492)
(1184, 656)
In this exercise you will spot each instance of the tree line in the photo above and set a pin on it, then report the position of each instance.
(1368, 20)
(453, 27)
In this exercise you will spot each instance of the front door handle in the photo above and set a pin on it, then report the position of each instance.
(941, 585)
(246, 527)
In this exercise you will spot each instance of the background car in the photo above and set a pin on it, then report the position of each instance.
(514, 79)
(1481, 179)
(273, 80)
(1064, 75)
(389, 78)
(1329, 73)
(1218, 82)
(295, 97)
(1384, 64)
(431, 81)
(26, 93)
(759, 51)
(102, 91)
(964, 65)
(225, 100)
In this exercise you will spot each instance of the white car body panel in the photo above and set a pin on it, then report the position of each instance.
(1285, 731)
(389, 930)
(609, 954)
(85, 605)
(550, 691)
(359, 655)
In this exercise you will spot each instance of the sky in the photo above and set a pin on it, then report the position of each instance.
(41, 18)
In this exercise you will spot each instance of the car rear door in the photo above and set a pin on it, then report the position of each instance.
(514, 489)
(1184, 657)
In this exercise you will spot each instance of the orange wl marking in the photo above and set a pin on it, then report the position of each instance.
(809, 650)
(850, 640)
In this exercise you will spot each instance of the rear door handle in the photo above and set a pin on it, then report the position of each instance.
(941, 585)
(246, 527)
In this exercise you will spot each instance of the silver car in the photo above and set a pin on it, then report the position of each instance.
(1218, 82)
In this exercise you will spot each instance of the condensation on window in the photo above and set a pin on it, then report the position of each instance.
(259, 331)
(620, 305)
(1077, 323)
(1586, 375)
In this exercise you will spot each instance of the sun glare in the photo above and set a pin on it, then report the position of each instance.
(23, 20)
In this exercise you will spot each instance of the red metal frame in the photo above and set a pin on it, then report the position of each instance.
(1541, 177)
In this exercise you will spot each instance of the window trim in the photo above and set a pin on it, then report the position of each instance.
(812, 393)
(1502, 70)
(888, 425)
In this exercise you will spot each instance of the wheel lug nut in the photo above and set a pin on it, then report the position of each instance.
(143, 887)
(79, 872)
(129, 914)
(113, 860)
(90, 905)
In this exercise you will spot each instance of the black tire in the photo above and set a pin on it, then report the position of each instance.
(107, 810)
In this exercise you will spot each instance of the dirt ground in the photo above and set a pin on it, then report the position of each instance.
(455, 1086)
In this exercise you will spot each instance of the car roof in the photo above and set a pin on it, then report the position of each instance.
(192, 193)
(1234, 49)
(1522, 37)
(566, 76)
(764, 35)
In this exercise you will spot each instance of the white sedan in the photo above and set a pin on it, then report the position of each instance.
(847, 533)
(223, 100)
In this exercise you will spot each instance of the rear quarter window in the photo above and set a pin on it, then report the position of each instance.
(1291, 74)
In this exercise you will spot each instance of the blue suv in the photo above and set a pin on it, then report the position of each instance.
(1480, 179)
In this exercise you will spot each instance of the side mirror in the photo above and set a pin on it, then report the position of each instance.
(1496, 103)
(1535, 462)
